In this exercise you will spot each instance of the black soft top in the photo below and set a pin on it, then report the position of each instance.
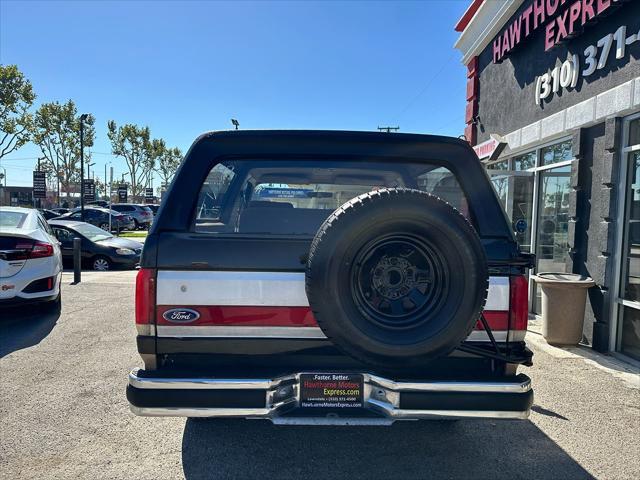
(456, 155)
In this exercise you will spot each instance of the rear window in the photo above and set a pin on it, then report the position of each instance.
(11, 219)
(295, 197)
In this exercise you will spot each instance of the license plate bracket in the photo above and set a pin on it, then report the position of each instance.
(332, 390)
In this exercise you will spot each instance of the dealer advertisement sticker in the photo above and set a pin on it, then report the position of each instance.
(320, 390)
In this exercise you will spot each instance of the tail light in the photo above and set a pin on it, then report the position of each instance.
(25, 249)
(41, 250)
(519, 303)
(145, 300)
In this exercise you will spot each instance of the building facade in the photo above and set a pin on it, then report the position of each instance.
(553, 109)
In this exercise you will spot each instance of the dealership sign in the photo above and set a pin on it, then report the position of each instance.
(39, 184)
(485, 149)
(596, 57)
(560, 19)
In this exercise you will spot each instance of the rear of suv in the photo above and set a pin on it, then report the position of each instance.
(331, 277)
(141, 214)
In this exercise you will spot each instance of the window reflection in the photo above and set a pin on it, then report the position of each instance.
(559, 152)
(632, 280)
(525, 162)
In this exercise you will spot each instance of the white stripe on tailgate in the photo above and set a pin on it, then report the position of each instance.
(498, 296)
(269, 289)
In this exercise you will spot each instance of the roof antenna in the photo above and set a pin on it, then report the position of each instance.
(235, 123)
(388, 129)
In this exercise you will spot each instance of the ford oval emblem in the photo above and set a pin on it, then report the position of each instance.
(181, 315)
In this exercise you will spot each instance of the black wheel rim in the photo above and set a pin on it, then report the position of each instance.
(398, 281)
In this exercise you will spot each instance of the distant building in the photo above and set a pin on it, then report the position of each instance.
(16, 196)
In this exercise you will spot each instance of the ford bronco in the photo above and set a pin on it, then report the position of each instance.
(317, 277)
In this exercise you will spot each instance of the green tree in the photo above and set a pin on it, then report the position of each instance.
(168, 162)
(56, 131)
(139, 151)
(16, 97)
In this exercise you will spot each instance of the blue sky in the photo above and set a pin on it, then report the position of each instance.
(183, 68)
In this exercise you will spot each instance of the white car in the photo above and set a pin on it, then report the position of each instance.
(30, 259)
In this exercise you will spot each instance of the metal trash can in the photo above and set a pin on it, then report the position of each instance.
(564, 296)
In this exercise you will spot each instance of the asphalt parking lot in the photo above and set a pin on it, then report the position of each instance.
(63, 414)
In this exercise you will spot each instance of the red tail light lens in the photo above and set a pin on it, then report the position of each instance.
(145, 296)
(519, 308)
(41, 250)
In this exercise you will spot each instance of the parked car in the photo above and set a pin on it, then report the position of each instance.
(48, 214)
(337, 278)
(98, 203)
(60, 210)
(154, 208)
(99, 249)
(141, 214)
(30, 259)
(100, 218)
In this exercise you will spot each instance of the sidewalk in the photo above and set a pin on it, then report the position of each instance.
(615, 366)
(589, 404)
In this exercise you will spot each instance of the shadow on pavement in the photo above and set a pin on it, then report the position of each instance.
(465, 449)
(22, 327)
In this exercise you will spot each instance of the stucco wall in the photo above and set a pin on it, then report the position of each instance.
(507, 89)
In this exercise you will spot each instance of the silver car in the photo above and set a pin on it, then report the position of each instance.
(30, 259)
(141, 214)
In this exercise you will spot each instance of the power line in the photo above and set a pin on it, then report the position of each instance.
(16, 159)
(424, 89)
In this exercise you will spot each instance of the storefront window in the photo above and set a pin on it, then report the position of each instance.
(522, 209)
(634, 133)
(552, 249)
(525, 162)
(502, 165)
(559, 152)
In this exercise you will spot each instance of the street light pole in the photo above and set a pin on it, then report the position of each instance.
(83, 117)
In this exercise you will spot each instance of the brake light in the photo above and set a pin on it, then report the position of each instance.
(519, 303)
(145, 296)
(41, 250)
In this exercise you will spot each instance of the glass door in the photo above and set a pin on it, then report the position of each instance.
(628, 341)
(552, 249)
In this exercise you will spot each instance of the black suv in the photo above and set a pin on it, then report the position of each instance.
(313, 277)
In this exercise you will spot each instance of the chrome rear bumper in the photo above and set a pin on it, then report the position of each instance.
(278, 399)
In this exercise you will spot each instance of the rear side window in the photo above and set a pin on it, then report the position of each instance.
(271, 197)
(12, 219)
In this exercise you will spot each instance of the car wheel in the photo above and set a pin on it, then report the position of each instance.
(104, 226)
(101, 264)
(136, 225)
(396, 277)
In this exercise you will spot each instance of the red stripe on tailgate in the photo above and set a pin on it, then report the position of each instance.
(281, 316)
(245, 316)
(497, 320)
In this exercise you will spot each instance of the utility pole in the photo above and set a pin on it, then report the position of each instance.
(388, 129)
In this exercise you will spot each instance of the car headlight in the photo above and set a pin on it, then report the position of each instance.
(125, 251)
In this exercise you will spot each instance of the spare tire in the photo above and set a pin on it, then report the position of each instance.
(396, 277)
